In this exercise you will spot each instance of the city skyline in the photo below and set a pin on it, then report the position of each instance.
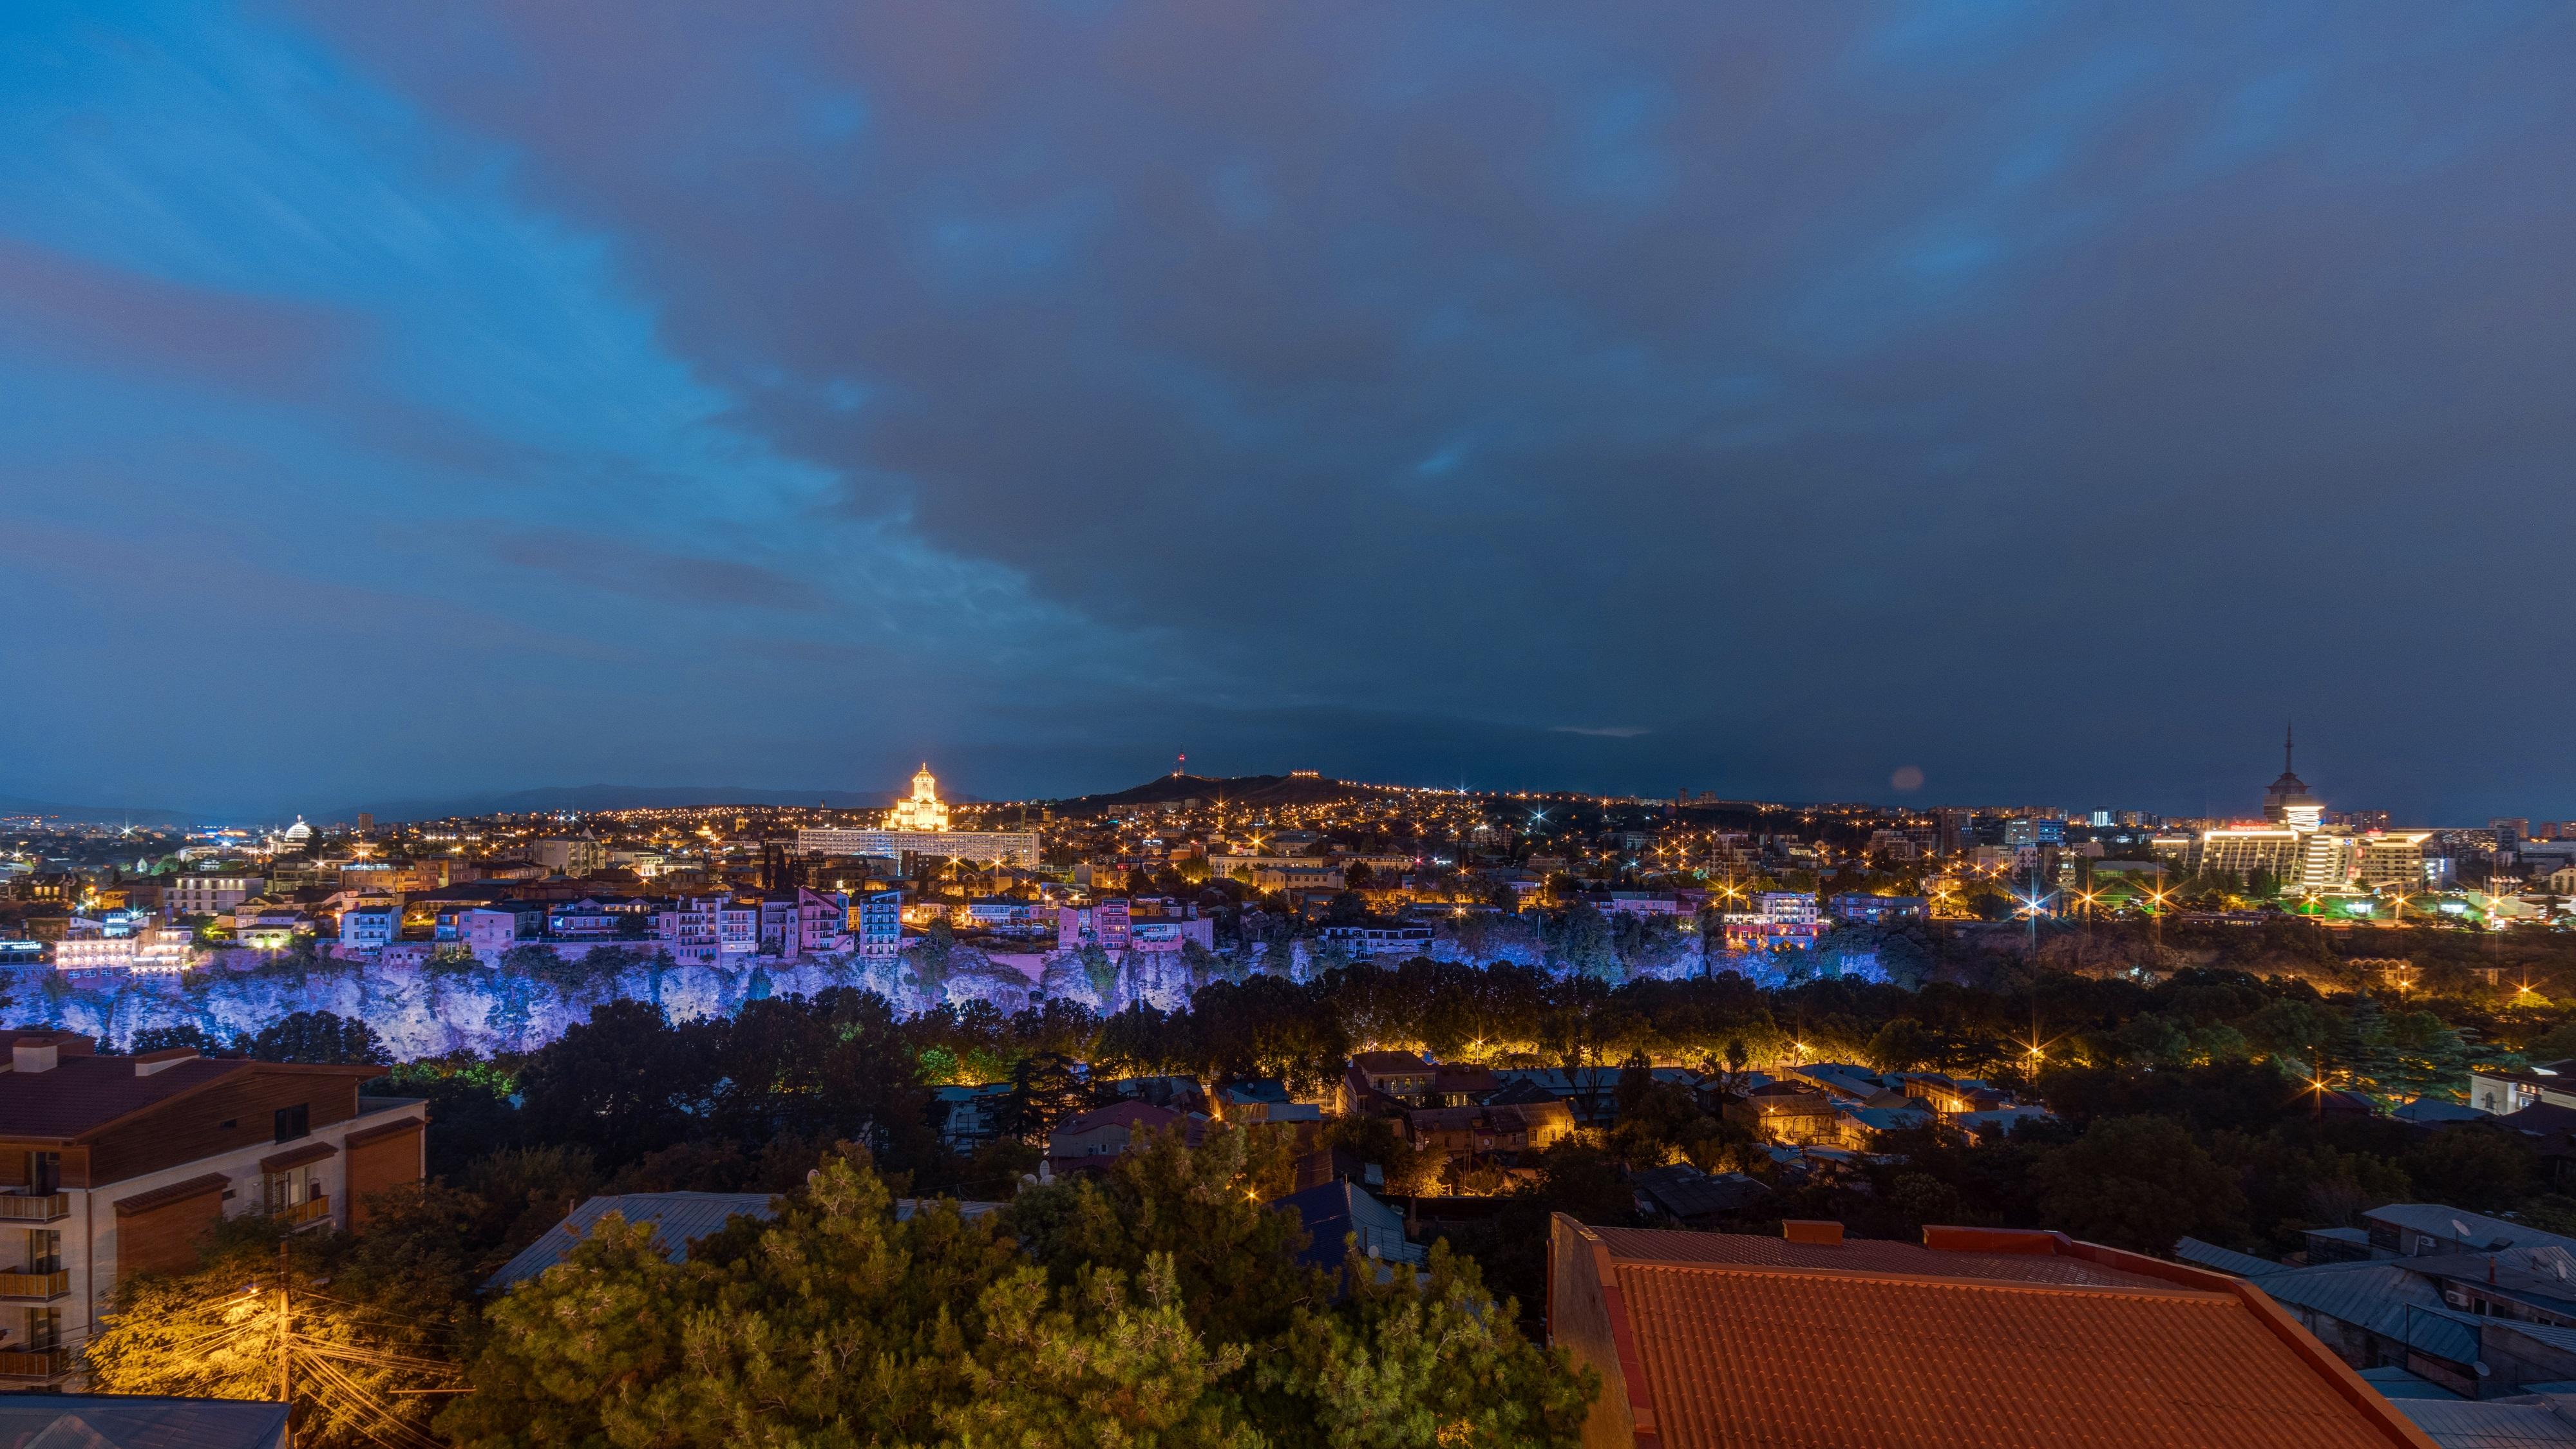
(2039, 405)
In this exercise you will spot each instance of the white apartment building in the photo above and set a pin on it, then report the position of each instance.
(110, 1166)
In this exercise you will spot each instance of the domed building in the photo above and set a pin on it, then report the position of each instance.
(924, 811)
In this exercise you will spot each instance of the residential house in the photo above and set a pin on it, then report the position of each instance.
(1262, 1100)
(1090, 1141)
(1685, 1195)
(1462, 1131)
(1340, 1215)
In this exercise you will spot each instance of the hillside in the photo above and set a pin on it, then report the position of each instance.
(1245, 790)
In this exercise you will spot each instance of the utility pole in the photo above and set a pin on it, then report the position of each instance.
(285, 1354)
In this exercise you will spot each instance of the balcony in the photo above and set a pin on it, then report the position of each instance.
(41, 1363)
(28, 1207)
(35, 1287)
(315, 1209)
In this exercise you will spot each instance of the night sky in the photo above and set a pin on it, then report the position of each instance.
(420, 400)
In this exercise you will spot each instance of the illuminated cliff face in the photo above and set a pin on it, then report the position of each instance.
(924, 810)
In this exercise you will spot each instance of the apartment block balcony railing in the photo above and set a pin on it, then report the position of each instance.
(312, 1210)
(37, 1363)
(40, 1287)
(34, 1207)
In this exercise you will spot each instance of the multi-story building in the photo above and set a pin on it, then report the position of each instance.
(876, 921)
(155, 948)
(370, 927)
(573, 855)
(1107, 924)
(701, 930)
(112, 1166)
(594, 918)
(208, 895)
(488, 931)
(1367, 941)
(1779, 919)
(1869, 909)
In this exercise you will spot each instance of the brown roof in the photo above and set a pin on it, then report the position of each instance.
(84, 1094)
(297, 1156)
(2019, 1339)
(1383, 1062)
(144, 1202)
(356, 1140)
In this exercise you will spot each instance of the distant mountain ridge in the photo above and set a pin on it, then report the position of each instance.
(1235, 790)
(101, 814)
(591, 798)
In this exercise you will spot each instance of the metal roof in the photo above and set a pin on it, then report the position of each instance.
(2466, 1424)
(2358, 1293)
(678, 1218)
(2226, 1260)
(2433, 1220)
(97, 1421)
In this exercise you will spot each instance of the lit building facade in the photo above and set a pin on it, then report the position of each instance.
(918, 825)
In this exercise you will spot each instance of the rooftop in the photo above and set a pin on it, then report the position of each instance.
(1976, 1337)
(81, 1095)
(139, 1421)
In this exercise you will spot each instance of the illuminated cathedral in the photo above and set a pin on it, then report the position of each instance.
(925, 810)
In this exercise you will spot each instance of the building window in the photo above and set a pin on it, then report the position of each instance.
(294, 1122)
(283, 1193)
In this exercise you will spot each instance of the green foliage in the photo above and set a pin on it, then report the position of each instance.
(162, 1038)
(319, 1038)
(1902, 1046)
(2139, 1183)
(1161, 1306)
(1045, 1090)
(1407, 1359)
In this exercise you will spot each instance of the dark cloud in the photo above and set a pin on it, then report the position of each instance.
(598, 562)
(2044, 400)
(75, 307)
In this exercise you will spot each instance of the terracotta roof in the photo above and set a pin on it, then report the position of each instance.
(1860, 1255)
(2026, 1340)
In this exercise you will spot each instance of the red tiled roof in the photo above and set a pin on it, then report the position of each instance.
(1708, 1339)
(1862, 1255)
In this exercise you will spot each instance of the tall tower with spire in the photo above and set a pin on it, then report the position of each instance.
(2287, 801)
